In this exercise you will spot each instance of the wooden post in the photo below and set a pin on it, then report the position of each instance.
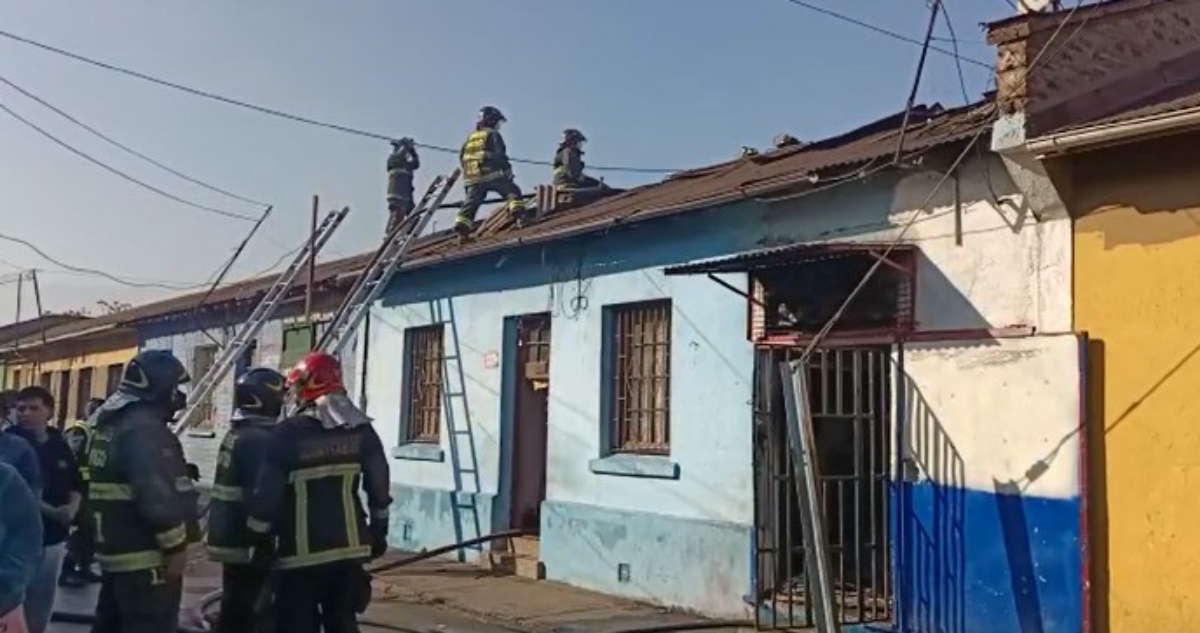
(312, 273)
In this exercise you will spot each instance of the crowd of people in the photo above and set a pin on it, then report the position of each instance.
(115, 488)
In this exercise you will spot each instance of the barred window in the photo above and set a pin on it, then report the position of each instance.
(426, 358)
(641, 388)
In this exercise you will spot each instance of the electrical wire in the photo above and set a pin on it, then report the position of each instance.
(126, 148)
(867, 25)
(117, 172)
(96, 272)
(293, 117)
(821, 334)
(916, 83)
(224, 270)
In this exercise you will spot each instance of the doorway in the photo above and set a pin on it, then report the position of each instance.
(850, 398)
(64, 397)
(531, 399)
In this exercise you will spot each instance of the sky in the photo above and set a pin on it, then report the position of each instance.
(661, 84)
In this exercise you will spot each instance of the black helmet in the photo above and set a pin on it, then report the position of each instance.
(572, 135)
(260, 391)
(489, 115)
(153, 375)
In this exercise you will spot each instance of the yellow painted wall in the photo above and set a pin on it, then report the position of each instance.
(95, 353)
(1137, 293)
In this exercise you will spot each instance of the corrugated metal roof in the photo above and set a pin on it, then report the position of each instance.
(31, 327)
(929, 126)
(779, 256)
(1163, 103)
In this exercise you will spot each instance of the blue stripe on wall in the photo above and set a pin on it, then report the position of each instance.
(990, 562)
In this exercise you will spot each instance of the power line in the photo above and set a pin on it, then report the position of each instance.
(293, 117)
(871, 27)
(92, 271)
(126, 148)
(117, 172)
(899, 239)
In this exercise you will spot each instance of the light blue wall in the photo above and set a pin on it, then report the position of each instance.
(682, 524)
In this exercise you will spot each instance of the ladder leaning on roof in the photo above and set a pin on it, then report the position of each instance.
(203, 388)
(382, 267)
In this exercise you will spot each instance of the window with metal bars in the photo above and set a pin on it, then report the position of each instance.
(424, 365)
(640, 361)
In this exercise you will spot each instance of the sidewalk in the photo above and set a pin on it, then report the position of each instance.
(444, 597)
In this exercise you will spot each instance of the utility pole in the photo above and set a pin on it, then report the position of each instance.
(37, 298)
(20, 281)
(312, 273)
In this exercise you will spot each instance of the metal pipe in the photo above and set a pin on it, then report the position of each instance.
(1112, 133)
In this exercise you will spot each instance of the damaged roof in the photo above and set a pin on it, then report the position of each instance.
(771, 171)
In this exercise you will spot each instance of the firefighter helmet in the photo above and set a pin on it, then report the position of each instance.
(260, 391)
(316, 375)
(490, 116)
(572, 136)
(153, 375)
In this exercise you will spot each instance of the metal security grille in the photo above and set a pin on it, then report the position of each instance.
(850, 400)
(642, 378)
(425, 362)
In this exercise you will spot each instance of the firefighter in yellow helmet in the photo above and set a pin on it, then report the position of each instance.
(486, 168)
(306, 506)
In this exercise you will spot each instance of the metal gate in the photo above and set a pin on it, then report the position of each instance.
(850, 393)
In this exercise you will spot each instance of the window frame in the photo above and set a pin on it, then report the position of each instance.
(652, 437)
(421, 413)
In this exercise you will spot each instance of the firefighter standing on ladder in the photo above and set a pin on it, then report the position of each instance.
(140, 496)
(401, 165)
(305, 506)
(258, 401)
(486, 168)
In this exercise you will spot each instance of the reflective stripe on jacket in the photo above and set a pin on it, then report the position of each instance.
(229, 540)
(484, 157)
(140, 498)
(307, 492)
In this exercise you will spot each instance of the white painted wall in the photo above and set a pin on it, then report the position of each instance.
(1007, 411)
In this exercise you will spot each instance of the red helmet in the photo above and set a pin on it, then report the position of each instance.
(316, 375)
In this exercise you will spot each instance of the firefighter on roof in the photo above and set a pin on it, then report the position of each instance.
(401, 165)
(307, 508)
(486, 168)
(568, 163)
(258, 401)
(141, 499)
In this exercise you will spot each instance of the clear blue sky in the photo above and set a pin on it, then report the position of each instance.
(653, 83)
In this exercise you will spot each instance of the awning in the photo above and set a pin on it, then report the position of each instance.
(784, 256)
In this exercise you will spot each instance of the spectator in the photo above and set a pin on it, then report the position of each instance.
(77, 564)
(20, 546)
(8, 408)
(18, 453)
(62, 492)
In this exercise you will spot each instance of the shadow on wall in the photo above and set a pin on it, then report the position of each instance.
(1134, 202)
(932, 587)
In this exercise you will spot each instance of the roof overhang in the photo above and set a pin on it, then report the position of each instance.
(1096, 136)
(785, 256)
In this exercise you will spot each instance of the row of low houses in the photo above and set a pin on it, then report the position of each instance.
(1005, 415)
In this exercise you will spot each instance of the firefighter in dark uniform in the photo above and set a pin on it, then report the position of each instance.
(568, 163)
(486, 168)
(77, 564)
(142, 500)
(401, 165)
(307, 508)
(258, 400)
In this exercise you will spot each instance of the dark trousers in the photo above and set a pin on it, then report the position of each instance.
(138, 602)
(398, 211)
(318, 598)
(478, 191)
(240, 589)
(81, 545)
(583, 182)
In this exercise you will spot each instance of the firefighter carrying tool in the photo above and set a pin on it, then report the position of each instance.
(486, 168)
(306, 508)
(258, 401)
(142, 501)
(401, 164)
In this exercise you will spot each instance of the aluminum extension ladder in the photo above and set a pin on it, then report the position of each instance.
(382, 267)
(203, 388)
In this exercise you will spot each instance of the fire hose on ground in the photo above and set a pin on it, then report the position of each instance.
(206, 604)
